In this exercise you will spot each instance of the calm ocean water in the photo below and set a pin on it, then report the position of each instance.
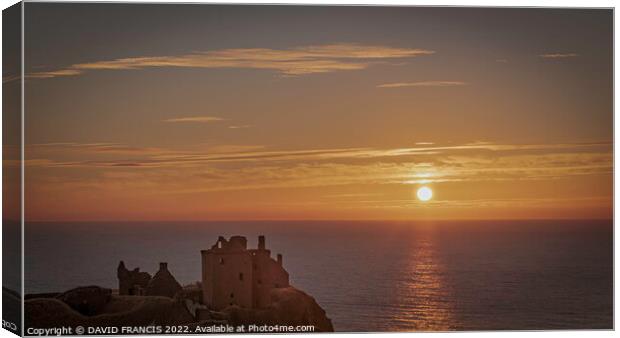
(371, 276)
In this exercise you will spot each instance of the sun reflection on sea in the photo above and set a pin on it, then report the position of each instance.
(424, 285)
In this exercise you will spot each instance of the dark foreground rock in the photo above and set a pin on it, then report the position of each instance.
(289, 306)
(95, 306)
(87, 300)
(119, 311)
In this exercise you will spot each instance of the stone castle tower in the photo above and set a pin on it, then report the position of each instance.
(232, 274)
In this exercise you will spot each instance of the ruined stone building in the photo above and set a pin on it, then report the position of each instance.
(132, 282)
(163, 283)
(137, 283)
(232, 274)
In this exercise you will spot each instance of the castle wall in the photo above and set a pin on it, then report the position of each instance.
(268, 274)
(260, 283)
(131, 282)
(207, 280)
(233, 285)
(233, 275)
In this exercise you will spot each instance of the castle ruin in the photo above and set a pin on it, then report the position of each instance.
(132, 282)
(137, 283)
(232, 274)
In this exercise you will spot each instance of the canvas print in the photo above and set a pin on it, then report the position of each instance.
(202, 168)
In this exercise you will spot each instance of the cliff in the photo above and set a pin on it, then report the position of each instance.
(113, 311)
(289, 306)
(95, 306)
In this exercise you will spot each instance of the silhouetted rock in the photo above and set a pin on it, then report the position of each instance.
(49, 312)
(87, 300)
(119, 311)
(289, 306)
(42, 295)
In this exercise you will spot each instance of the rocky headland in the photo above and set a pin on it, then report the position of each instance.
(93, 306)
(240, 287)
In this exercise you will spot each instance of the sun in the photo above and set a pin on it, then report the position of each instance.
(425, 194)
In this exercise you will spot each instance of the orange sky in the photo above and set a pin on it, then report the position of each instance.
(341, 120)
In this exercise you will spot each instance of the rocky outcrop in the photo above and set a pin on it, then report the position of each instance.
(117, 311)
(95, 306)
(87, 300)
(289, 306)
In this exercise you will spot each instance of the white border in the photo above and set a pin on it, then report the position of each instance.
(484, 3)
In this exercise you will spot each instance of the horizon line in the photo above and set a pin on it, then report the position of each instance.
(318, 220)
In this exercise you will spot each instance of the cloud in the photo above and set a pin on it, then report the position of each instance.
(558, 55)
(94, 148)
(234, 148)
(55, 73)
(198, 119)
(474, 203)
(422, 84)
(240, 126)
(295, 61)
(256, 175)
(180, 179)
(87, 155)
(10, 78)
(249, 176)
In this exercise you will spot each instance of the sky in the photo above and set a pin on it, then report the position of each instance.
(224, 112)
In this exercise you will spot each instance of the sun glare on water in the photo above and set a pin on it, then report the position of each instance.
(425, 194)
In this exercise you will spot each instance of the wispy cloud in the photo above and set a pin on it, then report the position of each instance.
(558, 55)
(86, 155)
(106, 177)
(296, 61)
(240, 126)
(198, 119)
(174, 175)
(10, 78)
(233, 148)
(422, 84)
(96, 148)
(469, 203)
(55, 73)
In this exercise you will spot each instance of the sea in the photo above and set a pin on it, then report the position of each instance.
(370, 276)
